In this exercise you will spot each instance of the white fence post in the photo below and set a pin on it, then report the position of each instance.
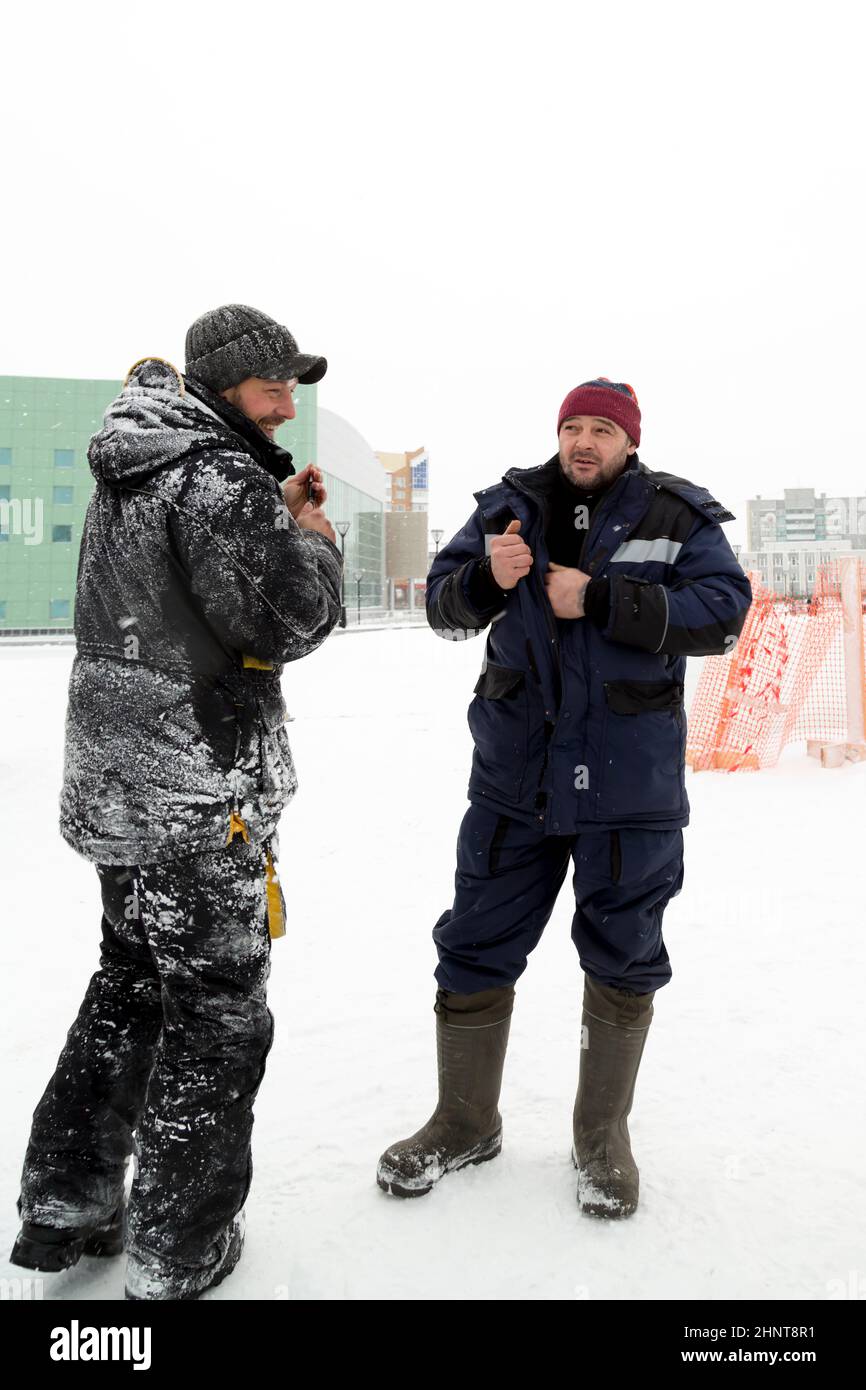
(852, 636)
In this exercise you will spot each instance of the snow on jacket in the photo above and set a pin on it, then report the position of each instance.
(580, 724)
(195, 585)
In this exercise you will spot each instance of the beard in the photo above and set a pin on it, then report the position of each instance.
(233, 397)
(601, 475)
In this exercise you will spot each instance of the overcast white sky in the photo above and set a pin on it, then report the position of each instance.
(468, 208)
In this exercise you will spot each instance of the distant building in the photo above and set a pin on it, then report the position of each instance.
(407, 490)
(46, 424)
(789, 537)
(803, 515)
(789, 567)
(406, 480)
(356, 493)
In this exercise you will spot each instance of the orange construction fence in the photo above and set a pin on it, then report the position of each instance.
(797, 672)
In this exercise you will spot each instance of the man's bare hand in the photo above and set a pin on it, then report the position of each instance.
(295, 489)
(565, 589)
(510, 557)
(314, 519)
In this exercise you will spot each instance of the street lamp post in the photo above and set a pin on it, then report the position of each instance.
(437, 536)
(359, 575)
(342, 528)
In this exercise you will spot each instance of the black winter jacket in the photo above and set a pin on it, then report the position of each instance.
(195, 585)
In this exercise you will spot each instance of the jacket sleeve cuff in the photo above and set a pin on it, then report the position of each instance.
(315, 537)
(638, 613)
(596, 601)
(482, 589)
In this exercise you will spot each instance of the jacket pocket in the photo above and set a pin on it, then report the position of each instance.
(499, 721)
(499, 682)
(615, 857)
(642, 764)
(272, 709)
(637, 697)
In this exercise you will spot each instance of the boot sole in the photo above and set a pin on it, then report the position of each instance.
(396, 1186)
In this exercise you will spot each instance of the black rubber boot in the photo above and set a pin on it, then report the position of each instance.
(50, 1248)
(615, 1027)
(466, 1126)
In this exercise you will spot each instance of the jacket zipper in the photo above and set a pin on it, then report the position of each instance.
(600, 509)
(551, 623)
(545, 605)
(550, 620)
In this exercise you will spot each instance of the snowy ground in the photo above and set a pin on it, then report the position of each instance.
(748, 1122)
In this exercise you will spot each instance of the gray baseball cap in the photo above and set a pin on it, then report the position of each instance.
(229, 344)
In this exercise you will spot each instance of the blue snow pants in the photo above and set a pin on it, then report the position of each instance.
(507, 882)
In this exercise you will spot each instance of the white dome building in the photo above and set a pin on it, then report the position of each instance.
(355, 481)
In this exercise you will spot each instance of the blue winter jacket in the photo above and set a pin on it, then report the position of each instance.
(580, 724)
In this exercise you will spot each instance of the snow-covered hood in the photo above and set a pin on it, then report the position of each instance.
(156, 421)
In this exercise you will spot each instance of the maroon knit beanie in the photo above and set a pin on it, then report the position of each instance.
(611, 400)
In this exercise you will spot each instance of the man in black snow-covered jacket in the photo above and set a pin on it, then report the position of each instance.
(206, 563)
(597, 578)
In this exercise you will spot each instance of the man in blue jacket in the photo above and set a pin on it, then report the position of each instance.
(597, 577)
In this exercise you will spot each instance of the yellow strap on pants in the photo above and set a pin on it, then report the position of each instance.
(276, 903)
(273, 891)
(237, 826)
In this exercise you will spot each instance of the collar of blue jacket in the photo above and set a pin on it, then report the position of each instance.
(539, 483)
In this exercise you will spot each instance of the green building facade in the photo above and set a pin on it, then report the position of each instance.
(46, 425)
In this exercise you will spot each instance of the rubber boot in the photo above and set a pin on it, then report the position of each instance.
(466, 1126)
(614, 1032)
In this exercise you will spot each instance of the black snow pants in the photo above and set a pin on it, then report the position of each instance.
(164, 1059)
